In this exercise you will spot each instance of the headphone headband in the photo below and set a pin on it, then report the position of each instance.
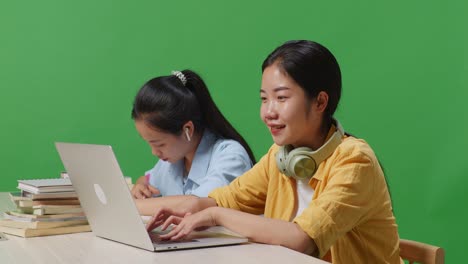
(302, 162)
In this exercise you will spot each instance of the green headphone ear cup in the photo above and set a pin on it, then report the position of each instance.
(281, 159)
(295, 162)
(302, 166)
(302, 162)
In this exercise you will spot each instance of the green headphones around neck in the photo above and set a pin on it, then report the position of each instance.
(302, 162)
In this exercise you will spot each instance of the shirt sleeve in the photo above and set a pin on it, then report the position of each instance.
(248, 192)
(343, 203)
(228, 161)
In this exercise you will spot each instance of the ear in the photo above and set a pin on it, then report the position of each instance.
(321, 102)
(187, 134)
(188, 129)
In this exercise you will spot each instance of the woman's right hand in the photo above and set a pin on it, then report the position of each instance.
(143, 190)
(188, 206)
(161, 214)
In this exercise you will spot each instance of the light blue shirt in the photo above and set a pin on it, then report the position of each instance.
(216, 163)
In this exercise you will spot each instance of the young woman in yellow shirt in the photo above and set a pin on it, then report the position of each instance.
(321, 191)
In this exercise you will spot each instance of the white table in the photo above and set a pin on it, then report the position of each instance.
(87, 248)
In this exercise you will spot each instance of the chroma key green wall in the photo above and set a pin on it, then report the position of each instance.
(69, 71)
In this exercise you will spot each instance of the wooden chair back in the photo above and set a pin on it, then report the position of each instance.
(417, 252)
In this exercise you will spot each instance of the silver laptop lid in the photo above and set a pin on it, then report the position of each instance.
(103, 193)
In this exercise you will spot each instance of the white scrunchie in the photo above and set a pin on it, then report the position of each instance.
(181, 76)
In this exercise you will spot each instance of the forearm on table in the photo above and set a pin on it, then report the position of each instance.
(148, 206)
(203, 203)
(265, 230)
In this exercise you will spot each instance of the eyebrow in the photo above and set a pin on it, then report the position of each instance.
(152, 140)
(281, 88)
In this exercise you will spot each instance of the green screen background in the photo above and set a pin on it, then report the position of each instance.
(69, 71)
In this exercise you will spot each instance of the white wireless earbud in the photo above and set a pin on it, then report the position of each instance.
(187, 133)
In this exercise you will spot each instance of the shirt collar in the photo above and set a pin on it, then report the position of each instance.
(201, 160)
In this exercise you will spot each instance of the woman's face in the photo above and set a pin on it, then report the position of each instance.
(286, 111)
(165, 146)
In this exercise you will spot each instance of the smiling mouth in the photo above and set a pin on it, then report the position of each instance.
(275, 130)
(277, 127)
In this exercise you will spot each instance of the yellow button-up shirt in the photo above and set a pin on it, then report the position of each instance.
(350, 214)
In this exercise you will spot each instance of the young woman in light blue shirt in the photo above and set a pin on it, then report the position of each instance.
(198, 149)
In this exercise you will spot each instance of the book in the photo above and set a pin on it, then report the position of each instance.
(24, 210)
(21, 196)
(31, 203)
(53, 209)
(40, 224)
(42, 218)
(49, 209)
(31, 232)
(45, 185)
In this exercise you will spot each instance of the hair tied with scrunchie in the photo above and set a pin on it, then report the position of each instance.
(181, 76)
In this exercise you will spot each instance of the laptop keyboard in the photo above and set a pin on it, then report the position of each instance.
(157, 240)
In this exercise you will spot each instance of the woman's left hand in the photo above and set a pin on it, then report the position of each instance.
(185, 225)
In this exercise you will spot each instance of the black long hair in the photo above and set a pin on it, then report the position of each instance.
(166, 104)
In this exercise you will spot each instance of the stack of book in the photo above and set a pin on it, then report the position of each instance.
(44, 207)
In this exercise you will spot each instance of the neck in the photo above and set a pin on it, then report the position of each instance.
(314, 137)
(322, 132)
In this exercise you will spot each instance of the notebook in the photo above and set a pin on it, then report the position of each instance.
(38, 186)
(109, 206)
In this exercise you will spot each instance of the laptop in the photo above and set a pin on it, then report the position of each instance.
(109, 206)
